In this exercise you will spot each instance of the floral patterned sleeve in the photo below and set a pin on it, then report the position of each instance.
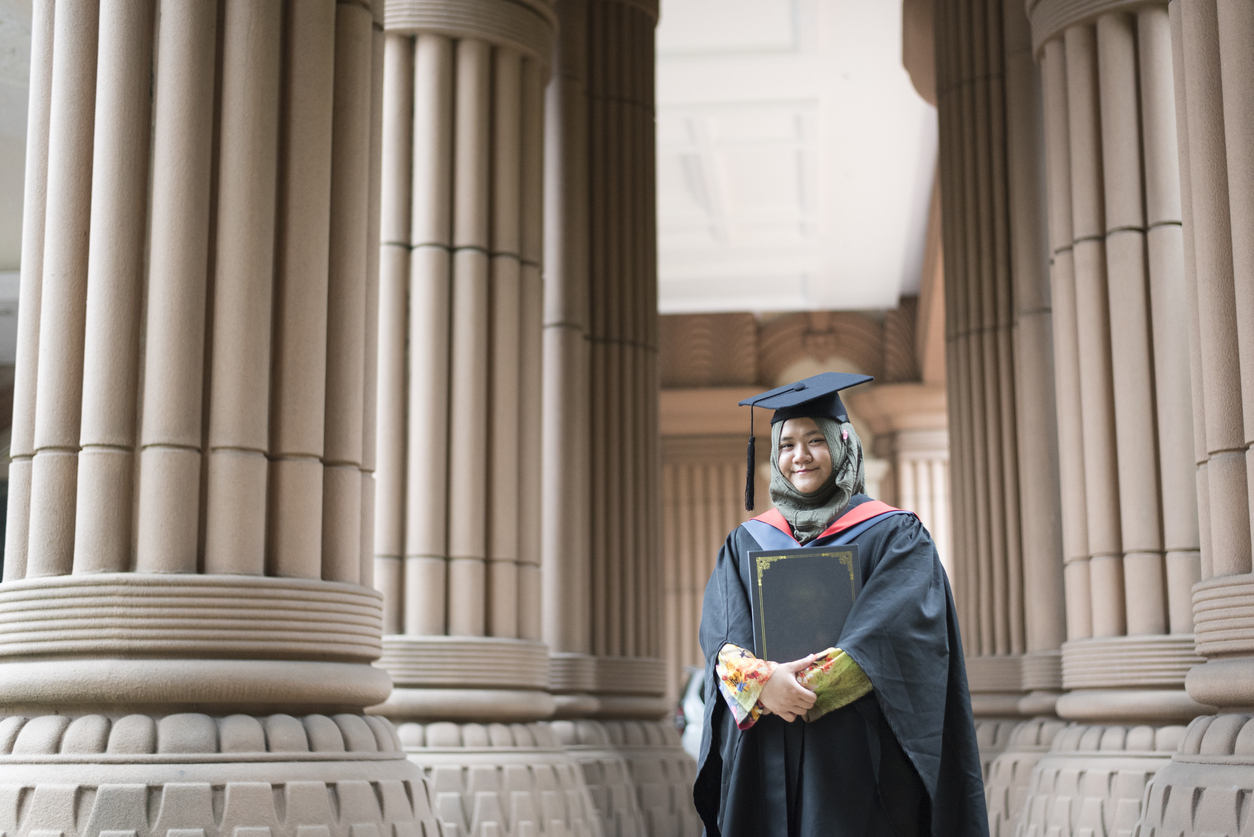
(741, 677)
(836, 680)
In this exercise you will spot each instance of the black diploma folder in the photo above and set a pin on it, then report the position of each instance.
(800, 599)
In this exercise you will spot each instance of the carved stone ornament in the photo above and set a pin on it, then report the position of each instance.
(193, 775)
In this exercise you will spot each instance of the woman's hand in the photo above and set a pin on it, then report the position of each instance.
(783, 695)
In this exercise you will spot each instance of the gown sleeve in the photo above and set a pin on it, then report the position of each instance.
(834, 677)
(836, 681)
(741, 677)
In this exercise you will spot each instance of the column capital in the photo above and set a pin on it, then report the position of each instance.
(1052, 17)
(649, 7)
(525, 25)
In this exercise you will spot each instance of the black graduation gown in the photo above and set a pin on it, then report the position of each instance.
(887, 763)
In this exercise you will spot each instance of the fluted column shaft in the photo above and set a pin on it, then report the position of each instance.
(190, 437)
(921, 468)
(1212, 59)
(1214, 70)
(702, 500)
(1000, 357)
(457, 514)
(1132, 548)
(602, 516)
(567, 441)
(622, 297)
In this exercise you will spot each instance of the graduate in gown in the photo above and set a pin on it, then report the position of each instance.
(874, 737)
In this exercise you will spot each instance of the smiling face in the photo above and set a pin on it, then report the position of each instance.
(804, 458)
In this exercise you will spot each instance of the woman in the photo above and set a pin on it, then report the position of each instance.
(874, 737)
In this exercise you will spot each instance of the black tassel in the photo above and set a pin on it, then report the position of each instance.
(750, 462)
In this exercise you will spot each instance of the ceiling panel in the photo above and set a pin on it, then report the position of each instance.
(795, 160)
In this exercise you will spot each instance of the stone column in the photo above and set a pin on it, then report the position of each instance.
(602, 471)
(908, 425)
(987, 552)
(922, 468)
(1214, 77)
(703, 485)
(1005, 508)
(457, 520)
(999, 312)
(1131, 547)
(188, 621)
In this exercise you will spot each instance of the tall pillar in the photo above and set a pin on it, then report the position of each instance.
(1131, 547)
(1212, 44)
(999, 353)
(188, 621)
(987, 551)
(908, 425)
(457, 551)
(1007, 567)
(602, 458)
(703, 484)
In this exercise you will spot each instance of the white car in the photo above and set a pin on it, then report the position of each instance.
(690, 714)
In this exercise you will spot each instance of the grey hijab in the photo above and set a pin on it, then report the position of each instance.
(810, 514)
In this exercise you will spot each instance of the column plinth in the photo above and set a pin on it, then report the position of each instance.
(436, 678)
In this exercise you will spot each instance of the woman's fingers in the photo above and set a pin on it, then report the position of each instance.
(797, 665)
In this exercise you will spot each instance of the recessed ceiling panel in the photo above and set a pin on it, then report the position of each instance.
(706, 26)
(795, 160)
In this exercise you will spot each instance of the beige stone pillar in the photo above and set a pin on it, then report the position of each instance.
(1214, 76)
(460, 251)
(1007, 552)
(999, 356)
(602, 473)
(1118, 275)
(456, 524)
(702, 500)
(909, 427)
(187, 635)
(567, 442)
(1108, 108)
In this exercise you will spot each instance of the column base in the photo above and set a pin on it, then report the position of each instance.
(1093, 779)
(1007, 778)
(1150, 706)
(992, 737)
(1226, 683)
(1039, 703)
(144, 775)
(1204, 788)
(508, 778)
(460, 679)
(165, 686)
(466, 705)
(613, 688)
(997, 706)
(657, 768)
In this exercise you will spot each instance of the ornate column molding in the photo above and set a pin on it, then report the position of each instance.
(526, 25)
(648, 7)
(1049, 18)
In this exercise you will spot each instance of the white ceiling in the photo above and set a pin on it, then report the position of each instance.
(14, 77)
(795, 160)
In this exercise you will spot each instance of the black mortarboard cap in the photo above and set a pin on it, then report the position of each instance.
(815, 397)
